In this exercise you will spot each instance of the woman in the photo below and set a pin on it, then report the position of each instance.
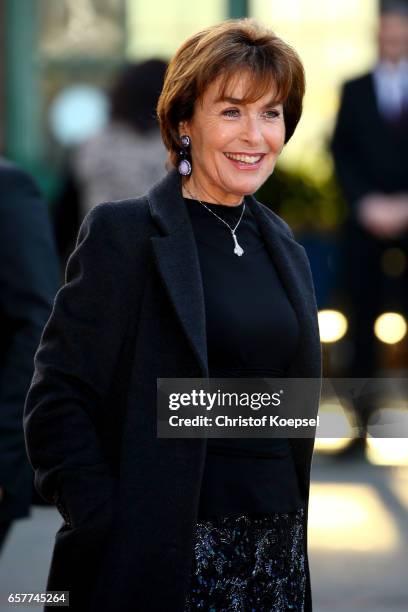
(153, 290)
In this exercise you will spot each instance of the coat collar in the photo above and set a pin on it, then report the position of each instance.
(177, 261)
(178, 264)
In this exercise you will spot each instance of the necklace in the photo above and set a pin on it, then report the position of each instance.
(238, 250)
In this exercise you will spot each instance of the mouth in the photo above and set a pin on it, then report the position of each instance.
(245, 161)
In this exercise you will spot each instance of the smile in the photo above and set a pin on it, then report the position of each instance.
(246, 159)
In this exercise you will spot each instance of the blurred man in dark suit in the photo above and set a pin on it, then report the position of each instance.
(29, 277)
(370, 148)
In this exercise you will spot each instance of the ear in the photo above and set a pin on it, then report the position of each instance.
(183, 128)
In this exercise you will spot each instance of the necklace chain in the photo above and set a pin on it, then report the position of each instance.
(238, 250)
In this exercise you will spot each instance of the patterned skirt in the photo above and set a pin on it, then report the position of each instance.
(249, 563)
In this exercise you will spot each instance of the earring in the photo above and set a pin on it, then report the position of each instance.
(184, 166)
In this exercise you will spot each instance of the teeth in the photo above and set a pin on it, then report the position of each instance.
(248, 159)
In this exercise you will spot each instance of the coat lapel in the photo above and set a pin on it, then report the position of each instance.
(178, 263)
(293, 268)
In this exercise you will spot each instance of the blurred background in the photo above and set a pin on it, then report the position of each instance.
(79, 80)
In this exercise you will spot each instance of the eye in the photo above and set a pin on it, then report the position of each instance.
(272, 113)
(231, 112)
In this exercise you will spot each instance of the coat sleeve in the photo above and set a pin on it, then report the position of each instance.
(29, 278)
(345, 148)
(74, 368)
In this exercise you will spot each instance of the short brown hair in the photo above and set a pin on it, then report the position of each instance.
(224, 49)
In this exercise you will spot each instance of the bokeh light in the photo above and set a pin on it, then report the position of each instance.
(390, 327)
(332, 324)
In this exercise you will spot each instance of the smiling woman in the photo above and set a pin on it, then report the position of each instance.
(231, 100)
(195, 279)
(235, 144)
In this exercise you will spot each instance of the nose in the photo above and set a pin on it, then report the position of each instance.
(252, 132)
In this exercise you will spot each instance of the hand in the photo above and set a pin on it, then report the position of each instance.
(384, 216)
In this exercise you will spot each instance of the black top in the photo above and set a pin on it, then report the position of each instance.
(252, 332)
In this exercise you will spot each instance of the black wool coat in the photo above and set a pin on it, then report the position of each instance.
(132, 310)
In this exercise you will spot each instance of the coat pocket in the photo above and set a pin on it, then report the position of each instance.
(85, 500)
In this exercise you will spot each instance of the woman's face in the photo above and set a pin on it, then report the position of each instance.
(234, 146)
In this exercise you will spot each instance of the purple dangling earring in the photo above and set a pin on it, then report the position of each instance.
(184, 166)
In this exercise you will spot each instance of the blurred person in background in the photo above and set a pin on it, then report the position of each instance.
(124, 160)
(370, 149)
(28, 284)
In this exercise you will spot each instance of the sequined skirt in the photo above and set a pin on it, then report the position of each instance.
(249, 564)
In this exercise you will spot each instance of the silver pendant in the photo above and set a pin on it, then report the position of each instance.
(238, 250)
